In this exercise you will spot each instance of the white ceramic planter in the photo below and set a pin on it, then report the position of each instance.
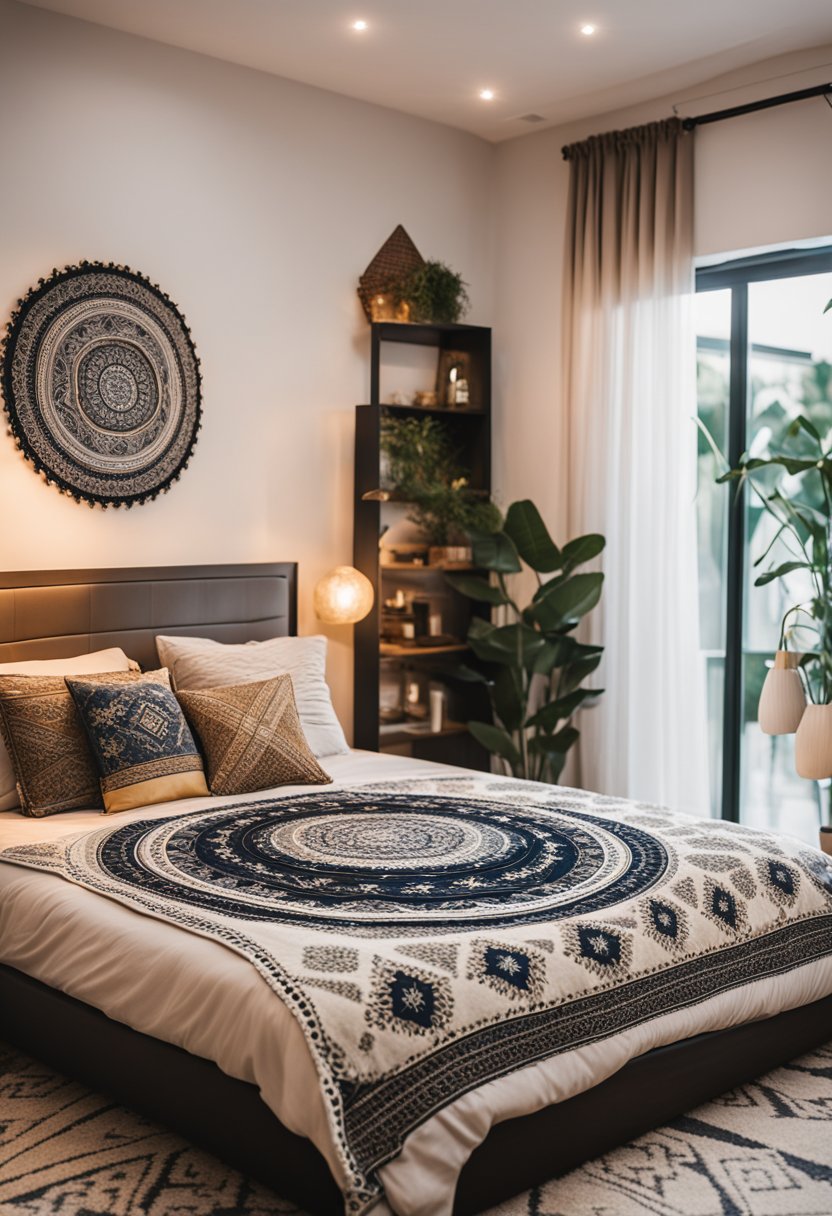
(813, 743)
(782, 700)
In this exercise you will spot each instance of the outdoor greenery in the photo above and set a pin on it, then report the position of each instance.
(534, 667)
(436, 294)
(775, 402)
(793, 485)
(425, 470)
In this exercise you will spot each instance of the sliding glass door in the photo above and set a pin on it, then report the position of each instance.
(764, 356)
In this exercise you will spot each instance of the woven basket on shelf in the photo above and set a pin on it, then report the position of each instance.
(397, 257)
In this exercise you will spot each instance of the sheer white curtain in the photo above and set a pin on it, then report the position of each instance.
(629, 381)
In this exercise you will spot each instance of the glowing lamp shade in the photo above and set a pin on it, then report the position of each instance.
(343, 596)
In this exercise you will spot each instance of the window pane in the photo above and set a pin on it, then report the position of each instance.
(713, 372)
(790, 352)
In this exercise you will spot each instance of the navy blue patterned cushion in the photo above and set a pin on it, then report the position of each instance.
(142, 745)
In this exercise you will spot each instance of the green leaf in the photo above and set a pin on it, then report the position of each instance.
(786, 568)
(515, 645)
(496, 741)
(557, 744)
(548, 586)
(801, 421)
(495, 551)
(549, 657)
(583, 549)
(565, 604)
(476, 588)
(507, 697)
(828, 306)
(792, 465)
(548, 716)
(576, 673)
(532, 541)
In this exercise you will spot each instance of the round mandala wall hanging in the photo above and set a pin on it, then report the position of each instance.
(101, 384)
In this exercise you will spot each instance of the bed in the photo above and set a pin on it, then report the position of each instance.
(177, 1020)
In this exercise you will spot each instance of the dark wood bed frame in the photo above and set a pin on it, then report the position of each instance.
(58, 614)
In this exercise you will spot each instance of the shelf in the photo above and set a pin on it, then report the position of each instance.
(394, 496)
(446, 411)
(425, 335)
(397, 733)
(389, 650)
(440, 568)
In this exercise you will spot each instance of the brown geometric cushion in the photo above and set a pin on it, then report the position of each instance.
(251, 736)
(52, 762)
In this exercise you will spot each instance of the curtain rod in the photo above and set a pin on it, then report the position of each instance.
(818, 90)
(783, 99)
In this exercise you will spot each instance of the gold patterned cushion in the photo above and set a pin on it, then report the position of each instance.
(142, 746)
(53, 766)
(251, 736)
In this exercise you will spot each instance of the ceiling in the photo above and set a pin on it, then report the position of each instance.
(432, 57)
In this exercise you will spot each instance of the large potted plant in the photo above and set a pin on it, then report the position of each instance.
(533, 665)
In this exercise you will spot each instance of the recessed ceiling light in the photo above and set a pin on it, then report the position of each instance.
(361, 26)
(486, 94)
(587, 30)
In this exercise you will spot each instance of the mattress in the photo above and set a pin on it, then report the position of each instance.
(199, 993)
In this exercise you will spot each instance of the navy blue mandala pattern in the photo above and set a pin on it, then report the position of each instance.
(403, 863)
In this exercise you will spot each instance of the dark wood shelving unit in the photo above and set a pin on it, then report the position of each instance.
(470, 427)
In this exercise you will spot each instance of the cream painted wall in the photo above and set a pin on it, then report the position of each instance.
(761, 180)
(255, 202)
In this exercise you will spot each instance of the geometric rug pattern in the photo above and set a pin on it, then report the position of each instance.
(764, 1149)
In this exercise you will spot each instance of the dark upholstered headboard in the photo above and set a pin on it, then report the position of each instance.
(60, 613)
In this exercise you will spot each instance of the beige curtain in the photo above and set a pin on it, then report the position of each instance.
(629, 392)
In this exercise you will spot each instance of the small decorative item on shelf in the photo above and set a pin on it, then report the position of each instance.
(390, 694)
(421, 616)
(378, 285)
(449, 556)
(453, 376)
(415, 694)
(404, 555)
(437, 709)
(425, 398)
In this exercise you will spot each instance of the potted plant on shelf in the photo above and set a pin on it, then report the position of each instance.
(534, 667)
(433, 294)
(423, 469)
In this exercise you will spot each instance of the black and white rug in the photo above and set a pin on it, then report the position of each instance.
(762, 1150)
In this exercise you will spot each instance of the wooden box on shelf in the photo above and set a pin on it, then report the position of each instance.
(411, 568)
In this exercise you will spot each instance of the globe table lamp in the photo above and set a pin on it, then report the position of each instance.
(343, 596)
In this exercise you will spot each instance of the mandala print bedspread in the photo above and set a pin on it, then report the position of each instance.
(432, 935)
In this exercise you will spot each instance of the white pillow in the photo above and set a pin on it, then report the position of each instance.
(203, 663)
(97, 663)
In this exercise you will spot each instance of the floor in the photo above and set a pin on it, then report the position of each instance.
(762, 1150)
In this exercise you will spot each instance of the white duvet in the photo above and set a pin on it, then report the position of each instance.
(194, 992)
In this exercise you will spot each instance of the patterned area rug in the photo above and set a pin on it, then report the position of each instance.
(762, 1150)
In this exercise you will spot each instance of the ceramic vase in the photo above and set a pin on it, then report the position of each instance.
(813, 743)
(782, 700)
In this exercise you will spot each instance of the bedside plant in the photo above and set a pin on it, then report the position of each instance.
(535, 668)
